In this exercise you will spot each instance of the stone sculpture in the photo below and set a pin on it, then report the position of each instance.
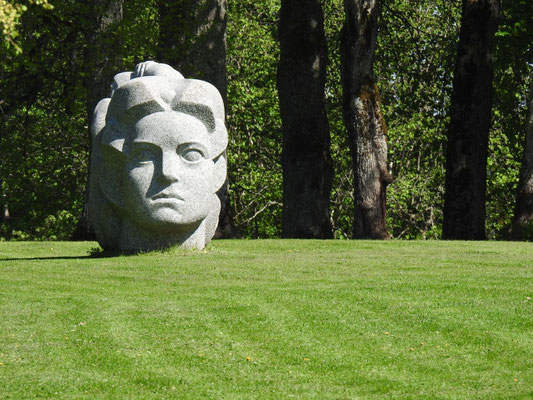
(158, 158)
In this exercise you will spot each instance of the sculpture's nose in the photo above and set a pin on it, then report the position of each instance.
(170, 167)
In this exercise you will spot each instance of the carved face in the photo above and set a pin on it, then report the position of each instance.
(168, 181)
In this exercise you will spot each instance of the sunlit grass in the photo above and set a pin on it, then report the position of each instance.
(269, 319)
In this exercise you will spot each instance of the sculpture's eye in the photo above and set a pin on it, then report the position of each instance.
(192, 155)
(144, 153)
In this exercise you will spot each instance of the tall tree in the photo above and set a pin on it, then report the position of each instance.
(306, 162)
(102, 54)
(523, 219)
(363, 118)
(102, 58)
(468, 133)
(192, 39)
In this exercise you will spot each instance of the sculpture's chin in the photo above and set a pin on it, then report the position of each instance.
(168, 215)
(172, 224)
(135, 236)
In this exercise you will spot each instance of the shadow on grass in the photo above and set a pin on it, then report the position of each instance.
(95, 252)
(98, 252)
(43, 258)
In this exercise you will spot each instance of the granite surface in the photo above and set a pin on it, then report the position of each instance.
(157, 160)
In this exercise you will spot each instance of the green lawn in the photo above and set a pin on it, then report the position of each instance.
(268, 319)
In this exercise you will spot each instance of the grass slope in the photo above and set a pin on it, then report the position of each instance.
(271, 319)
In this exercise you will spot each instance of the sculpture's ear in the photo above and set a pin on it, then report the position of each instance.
(211, 222)
(219, 138)
(219, 175)
(111, 172)
(99, 117)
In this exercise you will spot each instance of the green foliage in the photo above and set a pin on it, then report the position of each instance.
(44, 140)
(414, 66)
(59, 226)
(253, 120)
(139, 33)
(268, 319)
(10, 14)
(512, 63)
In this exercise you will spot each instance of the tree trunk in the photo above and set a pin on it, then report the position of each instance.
(102, 61)
(363, 118)
(306, 161)
(468, 134)
(192, 39)
(103, 56)
(522, 228)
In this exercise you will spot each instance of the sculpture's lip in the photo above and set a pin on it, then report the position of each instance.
(163, 196)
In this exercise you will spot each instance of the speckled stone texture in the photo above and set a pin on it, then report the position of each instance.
(158, 157)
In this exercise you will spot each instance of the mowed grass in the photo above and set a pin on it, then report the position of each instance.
(269, 319)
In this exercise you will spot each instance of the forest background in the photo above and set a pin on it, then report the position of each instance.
(44, 141)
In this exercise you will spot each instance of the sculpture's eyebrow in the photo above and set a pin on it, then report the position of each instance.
(137, 144)
(144, 141)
